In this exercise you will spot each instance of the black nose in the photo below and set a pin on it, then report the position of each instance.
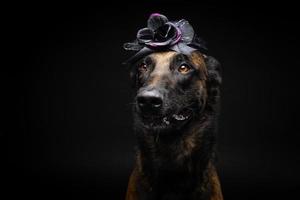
(150, 101)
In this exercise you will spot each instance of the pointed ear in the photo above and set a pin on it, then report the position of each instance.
(214, 70)
(214, 80)
(133, 74)
(134, 78)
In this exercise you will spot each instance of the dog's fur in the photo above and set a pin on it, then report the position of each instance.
(175, 160)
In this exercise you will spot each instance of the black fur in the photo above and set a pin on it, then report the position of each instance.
(170, 169)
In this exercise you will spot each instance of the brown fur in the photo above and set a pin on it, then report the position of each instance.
(214, 184)
(191, 141)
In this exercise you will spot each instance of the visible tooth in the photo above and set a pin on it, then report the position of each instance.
(179, 117)
(165, 120)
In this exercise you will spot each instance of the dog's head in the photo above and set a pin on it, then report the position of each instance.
(175, 82)
(173, 89)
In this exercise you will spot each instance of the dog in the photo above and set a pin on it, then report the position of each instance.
(175, 112)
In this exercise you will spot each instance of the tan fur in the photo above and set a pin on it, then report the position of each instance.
(216, 191)
(162, 68)
(162, 60)
(131, 189)
(198, 61)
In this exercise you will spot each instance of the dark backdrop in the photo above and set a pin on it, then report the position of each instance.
(67, 128)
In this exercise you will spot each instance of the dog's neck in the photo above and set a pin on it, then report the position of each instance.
(183, 157)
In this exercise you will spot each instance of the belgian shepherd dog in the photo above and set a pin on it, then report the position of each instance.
(175, 113)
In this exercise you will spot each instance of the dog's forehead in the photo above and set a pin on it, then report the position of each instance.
(162, 61)
(163, 58)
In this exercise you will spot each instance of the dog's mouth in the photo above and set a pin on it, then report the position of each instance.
(167, 121)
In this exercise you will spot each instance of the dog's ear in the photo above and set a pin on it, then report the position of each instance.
(214, 78)
(133, 77)
(214, 70)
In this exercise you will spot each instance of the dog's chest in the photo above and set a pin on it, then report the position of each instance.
(172, 157)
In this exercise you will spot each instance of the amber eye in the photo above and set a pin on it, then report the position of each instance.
(184, 68)
(143, 67)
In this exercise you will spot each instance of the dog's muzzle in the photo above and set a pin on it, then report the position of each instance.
(153, 111)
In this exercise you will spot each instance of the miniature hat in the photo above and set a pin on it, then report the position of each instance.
(161, 35)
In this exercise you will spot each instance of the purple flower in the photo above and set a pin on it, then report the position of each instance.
(160, 32)
(164, 35)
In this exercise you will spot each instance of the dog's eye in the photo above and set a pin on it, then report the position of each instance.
(184, 68)
(143, 67)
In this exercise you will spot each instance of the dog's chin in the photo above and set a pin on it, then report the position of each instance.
(167, 122)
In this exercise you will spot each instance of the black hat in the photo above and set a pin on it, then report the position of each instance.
(162, 34)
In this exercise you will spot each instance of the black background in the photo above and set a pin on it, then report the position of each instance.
(67, 119)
